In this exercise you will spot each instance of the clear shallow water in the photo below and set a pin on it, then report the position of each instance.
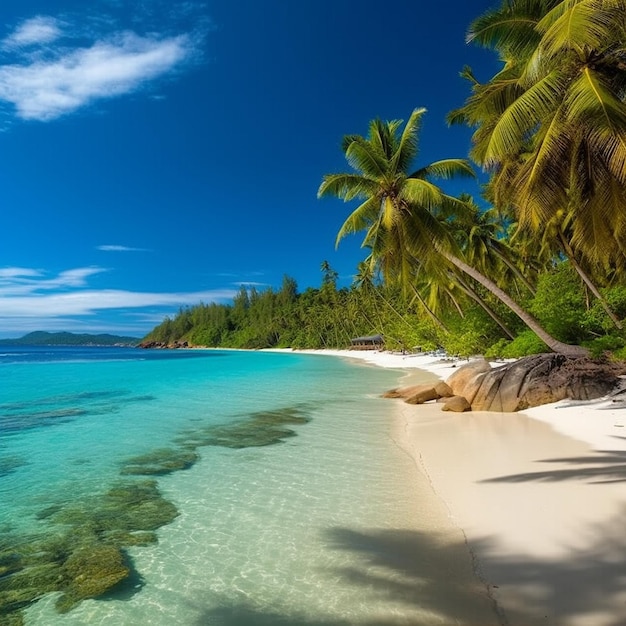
(288, 533)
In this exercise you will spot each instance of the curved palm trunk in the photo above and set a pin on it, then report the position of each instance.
(457, 306)
(471, 293)
(594, 290)
(428, 310)
(515, 271)
(527, 318)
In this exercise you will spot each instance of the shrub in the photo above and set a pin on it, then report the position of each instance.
(525, 344)
(607, 343)
(497, 349)
(620, 354)
(596, 319)
(560, 305)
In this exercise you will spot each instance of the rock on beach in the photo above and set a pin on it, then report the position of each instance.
(528, 382)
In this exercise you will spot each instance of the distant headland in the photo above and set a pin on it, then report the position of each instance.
(43, 338)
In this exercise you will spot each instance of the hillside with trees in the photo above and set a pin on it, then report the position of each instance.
(43, 338)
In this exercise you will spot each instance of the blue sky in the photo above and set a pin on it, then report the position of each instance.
(156, 154)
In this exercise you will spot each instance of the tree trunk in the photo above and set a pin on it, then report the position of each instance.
(467, 289)
(594, 290)
(554, 344)
(432, 316)
(457, 306)
(515, 270)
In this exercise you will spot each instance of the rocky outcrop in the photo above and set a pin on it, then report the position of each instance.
(443, 390)
(467, 378)
(457, 404)
(531, 381)
(162, 345)
(534, 380)
(425, 395)
(406, 392)
(418, 394)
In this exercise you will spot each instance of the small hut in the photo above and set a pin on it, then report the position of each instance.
(373, 342)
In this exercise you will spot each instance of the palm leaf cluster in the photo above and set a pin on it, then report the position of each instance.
(551, 125)
(400, 209)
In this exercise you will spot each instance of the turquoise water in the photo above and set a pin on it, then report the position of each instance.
(269, 519)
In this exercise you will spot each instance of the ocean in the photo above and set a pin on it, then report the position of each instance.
(198, 487)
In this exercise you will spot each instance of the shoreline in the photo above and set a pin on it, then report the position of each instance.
(537, 496)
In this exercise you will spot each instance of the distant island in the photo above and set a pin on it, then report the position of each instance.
(42, 338)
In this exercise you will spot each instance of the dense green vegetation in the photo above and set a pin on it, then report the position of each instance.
(328, 317)
(538, 264)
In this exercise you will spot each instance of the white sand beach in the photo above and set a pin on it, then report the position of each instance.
(538, 496)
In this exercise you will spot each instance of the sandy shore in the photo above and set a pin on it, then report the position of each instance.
(538, 496)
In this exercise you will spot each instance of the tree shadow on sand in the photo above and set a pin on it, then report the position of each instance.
(414, 569)
(601, 466)
(585, 587)
(410, 566)
(421, 569)
(411, 578)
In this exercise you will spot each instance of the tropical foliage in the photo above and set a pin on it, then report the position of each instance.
(410, 223)
(551, 125)
(537, 264)
(328, 317)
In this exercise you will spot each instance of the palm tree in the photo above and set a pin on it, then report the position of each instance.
(551, 125)
(402, 209)
(482, 235)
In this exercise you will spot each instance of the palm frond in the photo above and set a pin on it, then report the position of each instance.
(523, 116)
(540, 181)
(591, 101)
(406, 147)
(575, 24)
(360, 219)
(421, 193)
(510, 28)
(382, 136)
(365, 158)
(446, 169)
(347, 186)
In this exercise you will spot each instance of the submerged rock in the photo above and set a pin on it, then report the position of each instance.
(264, 428)
(84, 556)
(160, 462)
(89, 572)
(9, 464)
(83, 553)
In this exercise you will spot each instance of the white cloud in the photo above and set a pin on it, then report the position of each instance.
(18, 272)
(116, 248)
(47, 89)
(88, 302)
(31, 301)
(37, 30)
(17, 280)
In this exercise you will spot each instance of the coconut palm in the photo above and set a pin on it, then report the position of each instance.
(401, 209)
(551, 125)
(482, 235)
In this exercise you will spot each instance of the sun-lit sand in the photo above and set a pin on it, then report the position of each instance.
(538, 496)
